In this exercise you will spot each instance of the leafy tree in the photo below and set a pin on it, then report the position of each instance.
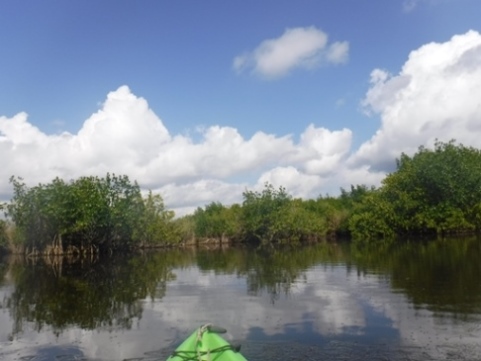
(156, 226)
(437, 190)
(217, 221)
(185, 226)
(3, 235)
(357, 193)
(372, 219)
(297, 222)
(27, 210)
(334, 213)
(261, 212)
(89, 214)
(434, 191)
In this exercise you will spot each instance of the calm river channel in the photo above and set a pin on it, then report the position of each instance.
(330, 301)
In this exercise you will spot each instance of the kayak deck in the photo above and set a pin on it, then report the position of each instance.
(205, 344)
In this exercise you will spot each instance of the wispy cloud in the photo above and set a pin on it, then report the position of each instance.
(305, 48)
(409, 5)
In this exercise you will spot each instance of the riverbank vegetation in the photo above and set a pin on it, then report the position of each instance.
(88, 215)
(434, 192)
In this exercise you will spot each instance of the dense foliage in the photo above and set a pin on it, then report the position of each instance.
(217, 221)
(3, 235)
(436, 191)
(271, 216)
(274, 216)
(89, 214)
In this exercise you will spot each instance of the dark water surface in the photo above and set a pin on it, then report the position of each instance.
(410, 301)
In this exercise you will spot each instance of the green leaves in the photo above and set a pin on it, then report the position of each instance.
(3, 235)
(217, 221)
(434, 191)
(155, 226)
(262, 211)
(88, 214)
(273, 216)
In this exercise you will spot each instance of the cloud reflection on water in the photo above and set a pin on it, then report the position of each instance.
(327, 305)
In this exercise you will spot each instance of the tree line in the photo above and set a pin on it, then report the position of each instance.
(434, 192)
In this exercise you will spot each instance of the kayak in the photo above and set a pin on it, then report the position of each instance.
(205, 344)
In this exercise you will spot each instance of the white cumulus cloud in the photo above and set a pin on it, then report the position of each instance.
(436, 95)
(296, 48)
(126, 137)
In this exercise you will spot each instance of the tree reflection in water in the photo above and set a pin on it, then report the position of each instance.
(91, 294)
(108, 293)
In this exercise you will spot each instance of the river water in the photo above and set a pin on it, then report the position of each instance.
(330, 301)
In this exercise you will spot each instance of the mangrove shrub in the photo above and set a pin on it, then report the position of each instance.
(436, 191)
(89, 214)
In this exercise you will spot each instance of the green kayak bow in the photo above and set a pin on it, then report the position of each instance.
(205, 344)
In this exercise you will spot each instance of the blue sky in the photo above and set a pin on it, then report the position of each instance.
(226, 71)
